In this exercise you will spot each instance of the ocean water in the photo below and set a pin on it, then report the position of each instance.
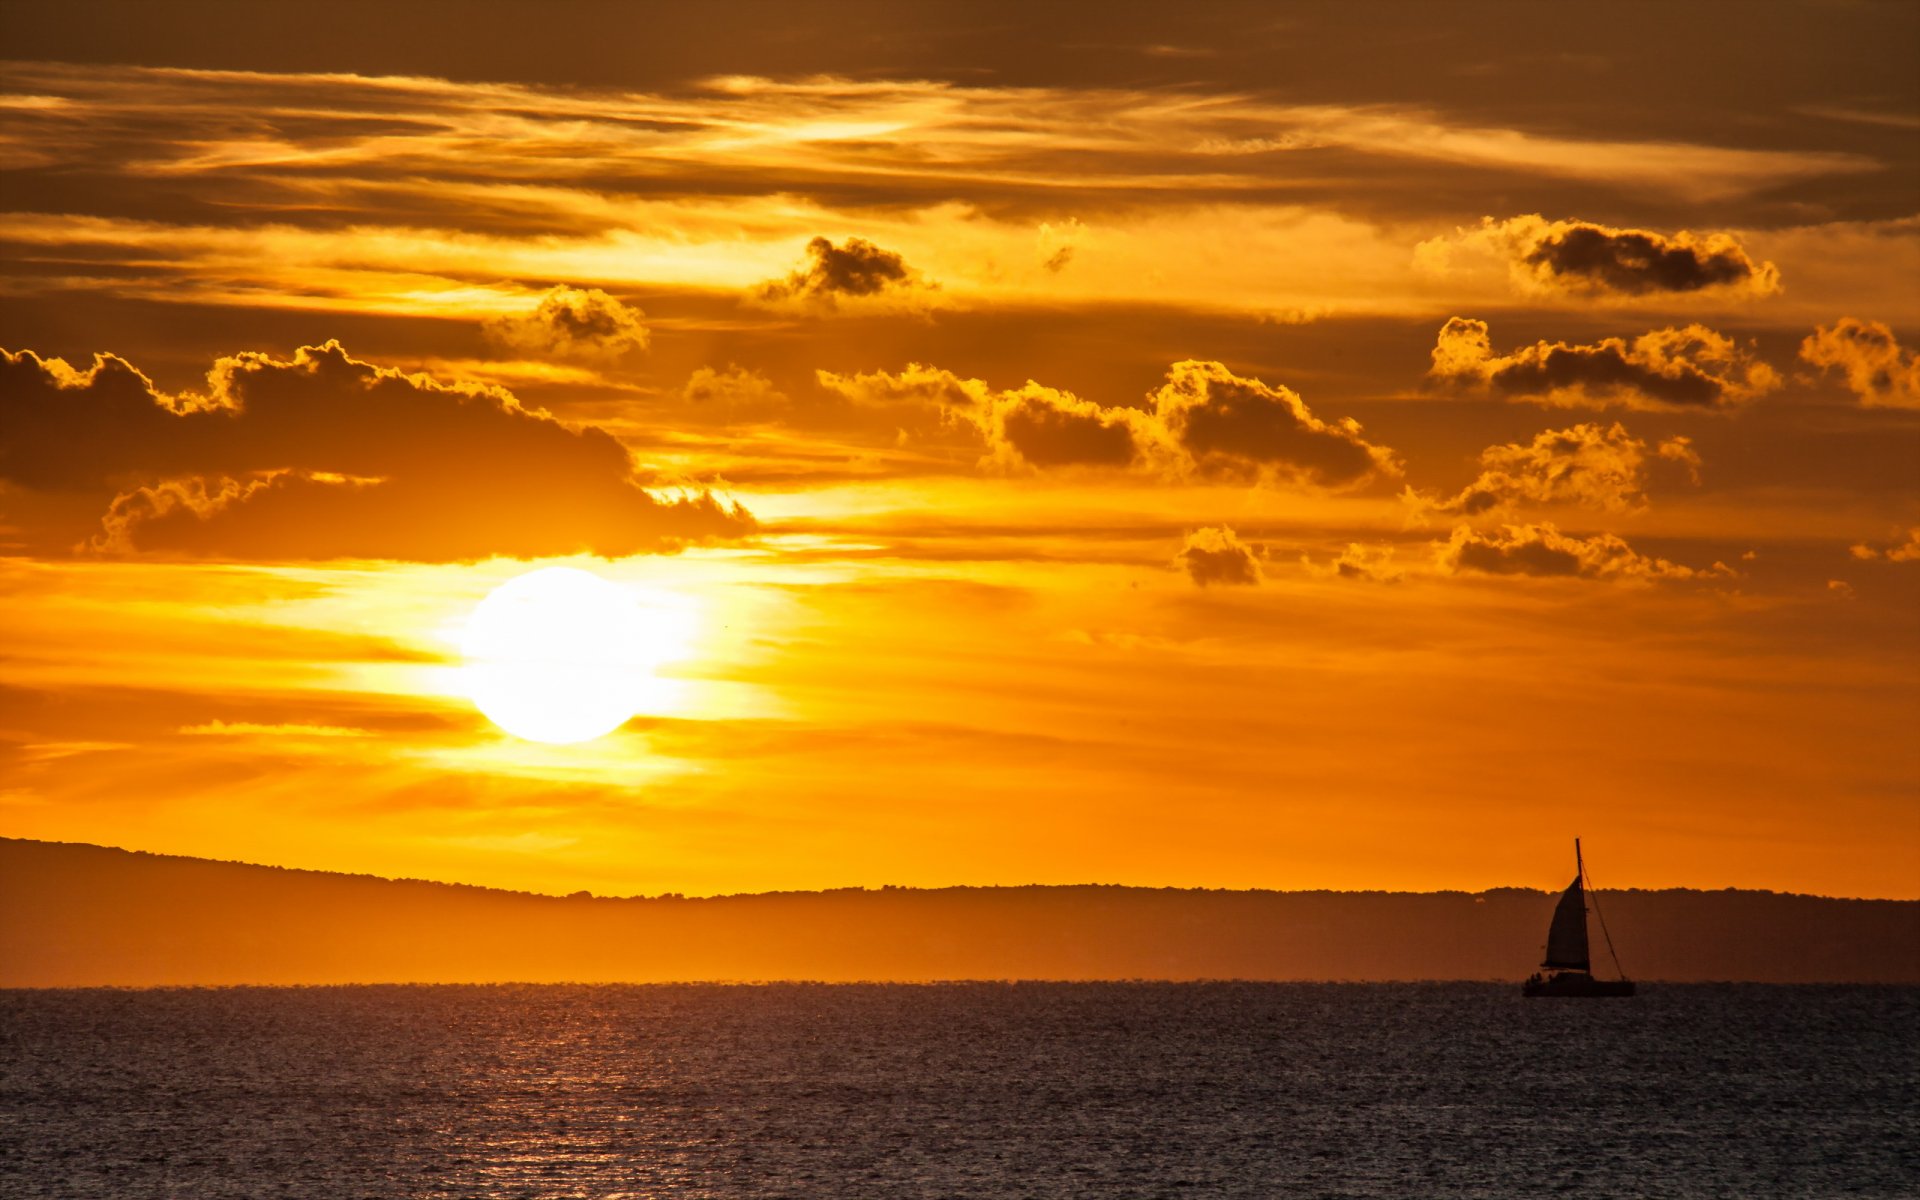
(1041, 1090)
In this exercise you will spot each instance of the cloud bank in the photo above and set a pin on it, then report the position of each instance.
(319, 456)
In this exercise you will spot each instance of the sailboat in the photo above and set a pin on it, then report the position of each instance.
(1568, 969)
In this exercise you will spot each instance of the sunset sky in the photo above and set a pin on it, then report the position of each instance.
(1241, 445)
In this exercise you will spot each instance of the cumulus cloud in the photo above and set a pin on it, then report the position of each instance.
(320, 456)
(1880, 373)
(1043, 427)
(1590, 259)
(856, 272)
(1691, 368)
(1543, 550)
(572, 322)
(1223, 425)
(1203, 423)
(1906, 551)
(1636, 261)
(1590, 465)
(1216, 555)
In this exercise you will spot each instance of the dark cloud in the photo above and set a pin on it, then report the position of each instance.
(1205, 422)
(572, 322)
(320, 456)
(1053, 429)
(1687, 368)
(1221, 424)
(1543, 550)
(856, 270)
(1215, 555)
(1636, 262)
(1878, 371)
(1582, 256)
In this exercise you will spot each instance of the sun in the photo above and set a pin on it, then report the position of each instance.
(560, 655)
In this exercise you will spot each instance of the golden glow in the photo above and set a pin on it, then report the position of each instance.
(560, 655)
(906, 561)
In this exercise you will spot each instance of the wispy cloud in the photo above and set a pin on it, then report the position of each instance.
(409, 194)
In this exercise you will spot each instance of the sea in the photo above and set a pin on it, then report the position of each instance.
(959, 1090)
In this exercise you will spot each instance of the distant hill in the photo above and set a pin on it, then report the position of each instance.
(77, 915)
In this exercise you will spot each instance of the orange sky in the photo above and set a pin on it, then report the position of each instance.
(1235, 447)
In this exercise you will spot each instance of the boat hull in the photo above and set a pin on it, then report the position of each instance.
(1574, 985)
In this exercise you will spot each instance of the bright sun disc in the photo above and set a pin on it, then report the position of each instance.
(561, 655)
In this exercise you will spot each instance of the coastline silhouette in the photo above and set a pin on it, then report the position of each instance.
(75, 915)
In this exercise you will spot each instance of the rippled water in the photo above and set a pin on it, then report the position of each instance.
(958, 1090)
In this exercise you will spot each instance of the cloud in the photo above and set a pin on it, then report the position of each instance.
(1680, 450)
(735, 393)
(1203, 423)
(1907, 551)
(1215, 555)
(572, 322)
(918, 384)
(1691, 368)
(1223, 425)
(431, 197)
(1590, 465)
(1877, 369)
(1543, 550)
(856, 271)
(1042, 427)
(320, 456)
(1059, 243)
(276, 730)
(922, 405)
(1589, 259)
(1029, 427)
(1370, 564)
(1636, 261)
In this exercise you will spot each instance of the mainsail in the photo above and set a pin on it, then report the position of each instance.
(1567, 939)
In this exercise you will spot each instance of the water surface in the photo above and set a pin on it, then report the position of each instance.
(1046, 1090)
